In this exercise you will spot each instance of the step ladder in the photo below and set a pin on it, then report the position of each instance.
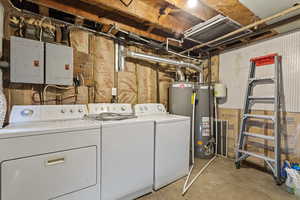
(241, 153)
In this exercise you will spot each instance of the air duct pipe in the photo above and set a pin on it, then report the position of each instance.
(119, 57)
(181, 64)
(180, 75)
(162, 60)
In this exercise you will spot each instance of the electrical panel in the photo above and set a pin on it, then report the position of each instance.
(40, 63)
(27, 61)
(59, 64)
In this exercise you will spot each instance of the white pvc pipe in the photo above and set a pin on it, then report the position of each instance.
(185, 189)
(193, 143)
(187, 179)
(216, 119)
(193, 128)
(185, 186)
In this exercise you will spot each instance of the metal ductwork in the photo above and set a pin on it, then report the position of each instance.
(214, 28)
(121, 54)
(119, 58)
(180, 75)
(142, 56)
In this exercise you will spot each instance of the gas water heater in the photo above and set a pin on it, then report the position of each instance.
(195, 100)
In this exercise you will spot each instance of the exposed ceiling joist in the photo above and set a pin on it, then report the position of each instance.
(250, 26)
(142, 11)
(79, 11)
(233, 9)
(201, 10)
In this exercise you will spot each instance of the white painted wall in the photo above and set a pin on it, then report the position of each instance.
(234, 69)
(266, 8)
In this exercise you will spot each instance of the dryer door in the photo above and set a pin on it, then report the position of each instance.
(49, 176)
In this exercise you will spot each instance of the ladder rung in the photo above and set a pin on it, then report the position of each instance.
(265, 137)
(257, 155)
(264, 79)
(261, 98)
(259, 116)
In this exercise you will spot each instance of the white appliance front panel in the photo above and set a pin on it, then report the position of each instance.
(30, 146)
(127, 160)
(33, 113)
(172, 146)
(149, 109)
(49, 176)
(98, 108)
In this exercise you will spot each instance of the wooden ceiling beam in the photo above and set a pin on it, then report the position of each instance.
(233, 9)
(78, 11)
(201, 10)
(144, 12)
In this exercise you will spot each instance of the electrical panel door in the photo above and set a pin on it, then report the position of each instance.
(59, 64)
(27, 61)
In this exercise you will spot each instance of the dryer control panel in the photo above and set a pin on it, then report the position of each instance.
(149, 108)
(99, 108)
(34, 113)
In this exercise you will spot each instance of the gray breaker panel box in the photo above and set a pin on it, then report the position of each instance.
(27, 61)
(38, 62)
(59, 64)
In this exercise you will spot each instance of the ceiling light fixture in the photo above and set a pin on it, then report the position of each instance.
(192, 3)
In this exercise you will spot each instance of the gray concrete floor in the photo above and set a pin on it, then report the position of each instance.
(221, 181)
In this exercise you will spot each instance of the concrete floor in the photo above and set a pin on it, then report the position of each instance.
(221, 181)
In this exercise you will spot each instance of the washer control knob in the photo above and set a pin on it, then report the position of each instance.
(123, 108)
(62, 111)
(159, 108)
(80, 110)
(71, 111)
(27, 112)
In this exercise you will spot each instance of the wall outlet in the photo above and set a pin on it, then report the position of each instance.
(114, 91)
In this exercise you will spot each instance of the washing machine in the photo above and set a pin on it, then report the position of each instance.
(50, 152)
(172, 143)
(127, 152)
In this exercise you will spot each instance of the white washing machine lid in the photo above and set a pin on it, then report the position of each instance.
(164, 117)
(46, 127)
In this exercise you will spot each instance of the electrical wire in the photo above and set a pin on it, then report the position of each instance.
(54, 86)
(126, 4)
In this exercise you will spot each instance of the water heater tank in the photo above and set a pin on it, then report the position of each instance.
(203, 130)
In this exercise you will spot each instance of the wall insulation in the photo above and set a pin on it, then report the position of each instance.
(141, 82)
(234, 69)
